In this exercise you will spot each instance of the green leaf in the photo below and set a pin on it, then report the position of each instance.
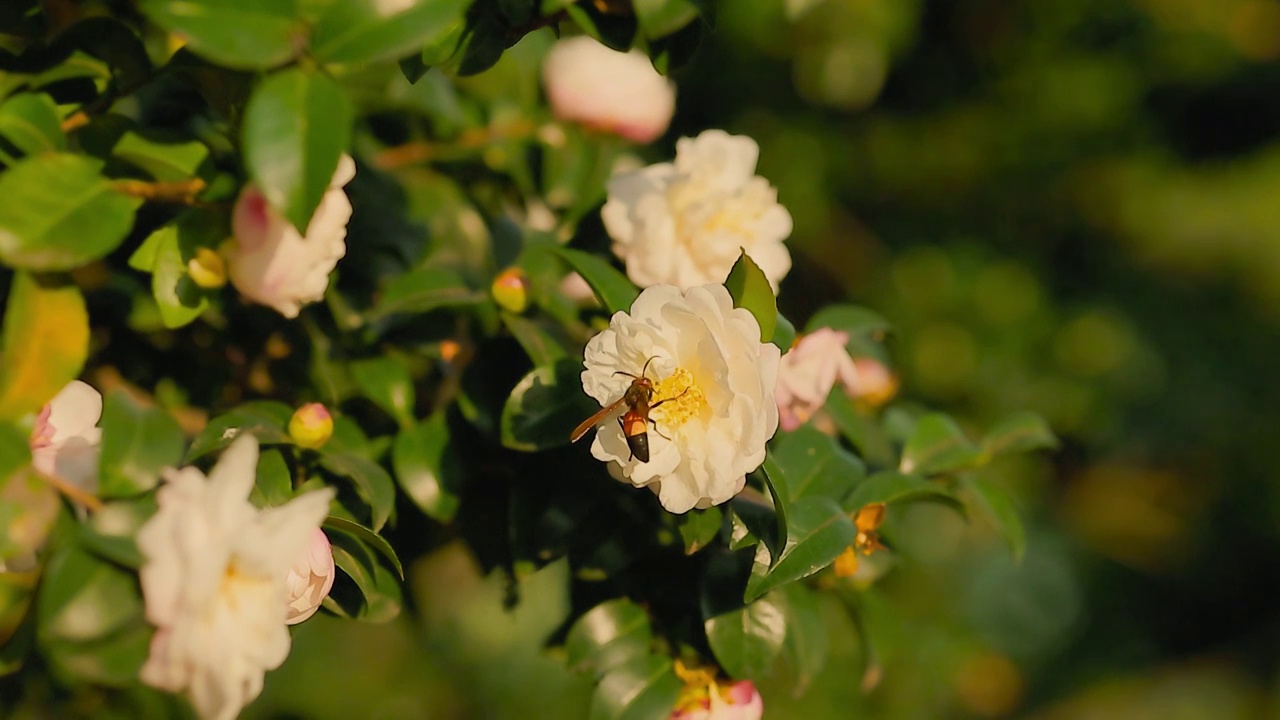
(427, 467)
(264, 419)
(761, 524)
(424, 290)
(371, 482)
(29, 121)
(610, 634)
(614, 30)
(368, 537)
(784, 335)
(166, 162)
(699, 527)
(867, 437)
(615, 292)
(380, 593)
(358, 32)
(893, 488)
(780, 490)
(296, 126)
(45, 343)
(999, 507)
(137, 442)
(851, 319)
(274, 484)
(83, 598)
(806, 644)
(816, 465)
(937, 446)
(179, 299)
(60, 213)
(113, 661)
(242, 34)
(750, 289)
(659, 18)
(387, 384)
(748, 640)
(545, 406)
(541, 346)
(1020, 432)
(643, 688)
(818, 531)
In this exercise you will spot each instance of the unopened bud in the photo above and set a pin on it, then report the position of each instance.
(311, 426)
(511, 290)
(847, 564)
(876, 384)
(207, 269)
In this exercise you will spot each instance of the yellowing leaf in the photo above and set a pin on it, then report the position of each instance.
(46, 340)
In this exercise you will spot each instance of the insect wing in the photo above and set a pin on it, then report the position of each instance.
(595, 419)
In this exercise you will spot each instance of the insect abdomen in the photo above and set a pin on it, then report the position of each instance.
(635, 429)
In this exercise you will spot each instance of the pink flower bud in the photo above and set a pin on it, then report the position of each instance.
(807, 373)
(311, 426)
(608, 90)
(511, 290)
(736, 701)
(876, 383)
(310, 579)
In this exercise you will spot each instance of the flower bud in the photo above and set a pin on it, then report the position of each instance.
(207, 269)
(720, 701)
(511, 290)
(876, 384)
(846, 565)
(616, 92)
(311, 426)
(310, 579)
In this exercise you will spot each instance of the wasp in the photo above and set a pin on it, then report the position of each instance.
(635, 421)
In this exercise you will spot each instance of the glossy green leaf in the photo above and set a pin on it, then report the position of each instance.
(179, 299)
(938, 445)
(750, 289)
(608, 635)
(371, 482)
(60, 213)
(893, 488)
(274, 484)
(1020, 432)
(784, 335)
(643, 688)
(83, 598)
(999, 507)
(699, 527)
(266, 420)
(780, 492)
(360, 31)
(614, 30)
(615, 292)
(45, 343)
(807, 642)
(818, 531)
(368, 537)
(868, 438)
(379, 593)
(424, 290)
(545, 406)
(388, 384)
(747, 641)
(760, 522)
(296, 126)
(542, 347)
(248, 34)
(166, 162)
(816, 465)
(137, 441)
(659, 18)
(851, 319)
(29, 121)
(427, 467)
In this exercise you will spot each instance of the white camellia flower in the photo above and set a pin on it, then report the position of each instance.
(714, 380)
(214, 581)
(66, 438)
(618, 92)
(685, 223)
(310, 579)
(809, 371)
(271, 264)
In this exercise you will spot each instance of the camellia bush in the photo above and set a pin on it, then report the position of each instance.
(296, 292)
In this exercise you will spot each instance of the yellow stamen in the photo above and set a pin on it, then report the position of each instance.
(681, 399)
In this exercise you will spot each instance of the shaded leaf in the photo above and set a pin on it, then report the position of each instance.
(371, 482)
(607, 636)
(545, 406)
(818, 531)
(266, 420)
(368, 537)
(938, 445)
(851, 319)
(1020, 432)
(816, 465)
(248, 34)
(867, 437)
(29, 121)
(166, 162)
(387, 384)
(137, 441)
(746, 641)
(424, 290)
(643, 688)
(699, 527)
(615, 292)
(427, 468)
(274, 483)
(361, 31)
(999, 507)
(893, 488)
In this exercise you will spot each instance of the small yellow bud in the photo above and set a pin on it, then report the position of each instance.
(207, 269)
(311, 426)
(511, 290)
(847, 564)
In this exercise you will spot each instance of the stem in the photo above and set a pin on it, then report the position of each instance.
(72, 492)
(424, 151)
(182, 192)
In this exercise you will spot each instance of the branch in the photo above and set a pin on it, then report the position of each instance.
(182, 192)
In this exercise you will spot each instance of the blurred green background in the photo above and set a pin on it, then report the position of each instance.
(1067, 206)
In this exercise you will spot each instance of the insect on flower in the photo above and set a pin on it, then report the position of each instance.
(635, 421)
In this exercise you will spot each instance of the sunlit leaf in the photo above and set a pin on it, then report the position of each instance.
(747, 641)
(607, 636)
(699, 527)
(45, 343)
(750, 289)
(29, 121)
(388, 384)
(816, 465)
(427, 467)
(362, 31)
(266, 420)
(137, 441)
(938, 445)
(249, 34)
(615, 292)
(643, 688)
(818, 531)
